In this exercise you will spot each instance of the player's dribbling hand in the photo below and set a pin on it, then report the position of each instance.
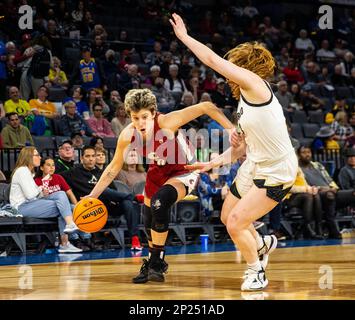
(236, 139)
(178, 25)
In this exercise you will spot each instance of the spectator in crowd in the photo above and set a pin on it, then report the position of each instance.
(113, 103)
(220, 96)
(81, 107)
(307, 198)
(303, 43)
(78, 13)
(99, 48)
(39, 67)
(325, 139)
(120, 121)
(51, 181)
(212, 189)
(154, 73)
(209, 84)
(346, 175)
(109, 66)
(99, 30)
(57, 77)
(338, 79)
(96, 142)
(94, 97)
(99, 124)
(65, 159)
(3, 73)
(341, 127)
(78, 144)
(187, 100)
(130, 79)
(312, 73)
(310, 101)
(33, 201)
(284, 96)
(87, 24)
(15, 135)
(41, 106)
(324, 55)
(55, 39)
(347, 65)
(165, 100)
(89, 72)
(83, 178)
(340, 105)
(174, 83)
(317, 177)
(132, 171)
(101, 155)
(292, 73)
(155, 57)
(15, 104)
(72, 122)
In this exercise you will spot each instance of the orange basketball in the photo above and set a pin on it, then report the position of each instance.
(90, 215)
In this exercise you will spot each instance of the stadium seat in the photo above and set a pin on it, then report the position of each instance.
(310, 130)
(56, 94)
(306, 141)
(316, 117)
(342, 92)
(299, 116)
(296, 130)
(110, 143)
(44, 143)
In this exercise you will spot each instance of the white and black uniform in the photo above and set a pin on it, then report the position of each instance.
(271, 161)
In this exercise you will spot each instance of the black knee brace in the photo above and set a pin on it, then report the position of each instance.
(160, 205)
(147, 219)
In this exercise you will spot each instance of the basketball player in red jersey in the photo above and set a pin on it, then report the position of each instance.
(155, 136)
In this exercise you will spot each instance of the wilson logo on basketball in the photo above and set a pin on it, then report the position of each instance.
(94, 213)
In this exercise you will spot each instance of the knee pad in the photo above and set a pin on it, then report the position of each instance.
(160, 205)
(147, 219)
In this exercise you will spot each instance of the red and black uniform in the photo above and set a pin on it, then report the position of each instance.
(166, 158)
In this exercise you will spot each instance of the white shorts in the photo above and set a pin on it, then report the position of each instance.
(189, 180)
(277, 177)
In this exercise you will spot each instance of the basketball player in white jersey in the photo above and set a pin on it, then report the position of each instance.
(271, 164)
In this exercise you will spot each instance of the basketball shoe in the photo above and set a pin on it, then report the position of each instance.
(142, 276)
(269, 245)
(156, 270)
(136, 245)
(255, 280)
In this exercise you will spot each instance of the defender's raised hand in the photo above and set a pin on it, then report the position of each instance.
(178, 25)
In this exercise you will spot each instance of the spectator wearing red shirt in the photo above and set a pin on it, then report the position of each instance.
(292, 73)
(52, 182)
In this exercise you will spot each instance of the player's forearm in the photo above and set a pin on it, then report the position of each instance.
(105, 180)
(217, 114)
(231, 155)
(203, 53)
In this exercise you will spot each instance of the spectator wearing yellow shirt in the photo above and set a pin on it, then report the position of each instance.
(325, 139)
(41, 106)
(307, 198)
(57, 77)
(15, 104)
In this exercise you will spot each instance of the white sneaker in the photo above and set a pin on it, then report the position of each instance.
(71, 228)
(69, 248)
(270, 244)
(254, 281)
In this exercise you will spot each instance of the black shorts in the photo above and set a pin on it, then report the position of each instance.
(276, 193)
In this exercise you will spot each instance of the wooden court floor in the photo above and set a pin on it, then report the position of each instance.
(323, 272)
